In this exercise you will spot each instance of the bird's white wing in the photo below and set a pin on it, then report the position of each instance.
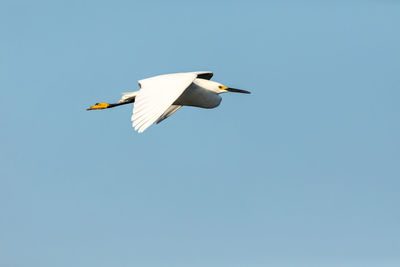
(156, 95)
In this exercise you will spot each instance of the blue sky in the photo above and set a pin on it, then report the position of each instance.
(303, 172)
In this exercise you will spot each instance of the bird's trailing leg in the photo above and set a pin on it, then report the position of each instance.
(107, 105)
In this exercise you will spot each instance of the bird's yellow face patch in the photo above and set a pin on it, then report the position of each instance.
(222, 87)
(99, 106)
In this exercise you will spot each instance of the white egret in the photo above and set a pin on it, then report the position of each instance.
(161, 96)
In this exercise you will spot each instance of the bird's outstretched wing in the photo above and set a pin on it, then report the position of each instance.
(156, 95)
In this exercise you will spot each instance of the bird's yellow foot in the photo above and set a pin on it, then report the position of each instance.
(99, 106)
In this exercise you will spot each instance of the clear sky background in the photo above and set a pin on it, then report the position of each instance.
(303, 172)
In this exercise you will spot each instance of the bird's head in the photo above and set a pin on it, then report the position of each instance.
(217, 87)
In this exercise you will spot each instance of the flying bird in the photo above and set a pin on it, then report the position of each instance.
(161, 96)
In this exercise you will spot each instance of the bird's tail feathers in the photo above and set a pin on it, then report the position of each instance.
(128, 96)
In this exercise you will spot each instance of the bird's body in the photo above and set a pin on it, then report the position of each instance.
(161, 96)
(197, 96)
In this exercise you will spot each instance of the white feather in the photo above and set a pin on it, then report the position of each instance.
(171, 110)
(127, 96)
(155, 97)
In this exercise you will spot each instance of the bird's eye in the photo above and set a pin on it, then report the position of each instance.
(220, 86)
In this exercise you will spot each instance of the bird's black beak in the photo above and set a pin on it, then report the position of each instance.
(237, 90)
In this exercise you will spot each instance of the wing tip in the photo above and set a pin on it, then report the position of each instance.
(204, 74)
